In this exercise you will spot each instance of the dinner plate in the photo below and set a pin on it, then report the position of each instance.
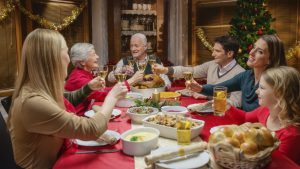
(216, 128)
(195, 160)
(114, 114)
(98, 143)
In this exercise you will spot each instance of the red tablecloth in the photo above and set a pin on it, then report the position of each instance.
(69, 160)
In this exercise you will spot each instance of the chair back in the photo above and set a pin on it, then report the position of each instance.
(6, 103)
(6, 151)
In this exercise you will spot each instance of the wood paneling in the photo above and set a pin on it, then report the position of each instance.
(8, 53)
(214, 15)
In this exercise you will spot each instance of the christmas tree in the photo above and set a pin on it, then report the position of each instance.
(251, 21)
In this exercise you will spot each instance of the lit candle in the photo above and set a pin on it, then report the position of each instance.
(155, 96)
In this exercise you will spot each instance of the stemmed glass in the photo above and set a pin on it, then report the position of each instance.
(102, 71)
(131, 61)
(141, 65)
(151, 61)
(188, 74)
(119, 74)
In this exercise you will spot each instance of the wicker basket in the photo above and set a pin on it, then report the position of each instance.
(225, 155)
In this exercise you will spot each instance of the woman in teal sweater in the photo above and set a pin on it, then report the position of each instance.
(268, 51)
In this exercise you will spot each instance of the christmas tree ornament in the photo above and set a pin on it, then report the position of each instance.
(253, 23)
(260, 32)
(240, 50)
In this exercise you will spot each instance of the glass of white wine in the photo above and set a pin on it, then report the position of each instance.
(131, 61)
(142, 65)
(102, 71)
(188, 73)
(151, 61)
(119, 74)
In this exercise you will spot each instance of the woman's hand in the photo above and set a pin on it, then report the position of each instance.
(119, 91)
(193, 86)
(97, 83)
(138, 76)
(159, 69)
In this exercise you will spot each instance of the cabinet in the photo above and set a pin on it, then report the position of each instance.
(135, 16)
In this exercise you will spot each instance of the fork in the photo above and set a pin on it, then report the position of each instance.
(98, 151)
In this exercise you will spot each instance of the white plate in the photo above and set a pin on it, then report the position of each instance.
(195, 160)
(98, 143)
(216, 128)
(174, 110)
(115, 113)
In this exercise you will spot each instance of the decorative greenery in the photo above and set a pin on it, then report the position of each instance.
(6, 10)
(50, 25)
(148, 102)
(293, 54)
(202, 37)
(251, 21)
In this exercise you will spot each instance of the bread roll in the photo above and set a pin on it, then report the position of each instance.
(249, 148)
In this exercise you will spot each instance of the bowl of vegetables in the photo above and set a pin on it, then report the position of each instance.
(137, 114)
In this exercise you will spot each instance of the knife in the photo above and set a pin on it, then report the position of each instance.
(98, 151)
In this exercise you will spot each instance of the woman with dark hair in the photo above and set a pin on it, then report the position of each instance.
(268, 52)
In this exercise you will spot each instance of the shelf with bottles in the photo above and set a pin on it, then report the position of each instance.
(129, 33)
(138, 12)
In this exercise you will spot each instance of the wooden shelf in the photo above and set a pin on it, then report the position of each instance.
(138, 12)
(147, 33)
(215, 3)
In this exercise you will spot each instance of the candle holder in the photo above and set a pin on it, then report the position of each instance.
(155, 96)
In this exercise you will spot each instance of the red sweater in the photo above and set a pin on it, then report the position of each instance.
(289, 137)
(76, 80)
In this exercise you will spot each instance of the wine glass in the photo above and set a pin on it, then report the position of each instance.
(151, 61)
(119, 74)
(188, 74)
(141, 65)
(131, 61)
(102, 71)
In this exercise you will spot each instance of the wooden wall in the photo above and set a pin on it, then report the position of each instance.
(214, 16)
(15, 29)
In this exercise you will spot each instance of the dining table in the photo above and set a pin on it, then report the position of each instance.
(118, 160)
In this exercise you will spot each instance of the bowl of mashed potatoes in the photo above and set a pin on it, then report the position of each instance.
(140, 141)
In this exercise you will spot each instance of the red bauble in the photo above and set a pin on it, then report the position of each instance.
(260, 32)
(249, 48)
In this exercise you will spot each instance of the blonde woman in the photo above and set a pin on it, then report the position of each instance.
(38, 122)
(279, 100)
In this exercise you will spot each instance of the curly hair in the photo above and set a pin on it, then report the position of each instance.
(286, 86)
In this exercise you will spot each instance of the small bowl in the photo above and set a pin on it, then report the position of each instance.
(174, 110)
(140, 148)
(136, 117)
(128, 101)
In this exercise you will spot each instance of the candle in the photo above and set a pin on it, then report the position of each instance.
(155, 96)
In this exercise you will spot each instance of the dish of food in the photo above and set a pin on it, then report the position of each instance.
(137, 114)
(181, 110)
(150, 81)
(166, 124)
(115, 113)
(109, 137)
(169, 95)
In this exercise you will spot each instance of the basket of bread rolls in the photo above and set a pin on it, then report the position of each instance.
(241, 147)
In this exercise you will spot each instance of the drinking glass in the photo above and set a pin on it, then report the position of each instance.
(102, 71)
(119, 74)
(220, 96)
(151, 61)
(183, 126)
(131, 61)
(142, 65)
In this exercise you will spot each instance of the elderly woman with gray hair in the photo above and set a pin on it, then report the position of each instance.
(85, 60)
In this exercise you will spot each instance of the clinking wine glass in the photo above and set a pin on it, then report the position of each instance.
(131, 61)
(142, 65)
(119, 74)
(188, 74)
(102, 71)
(151, 61)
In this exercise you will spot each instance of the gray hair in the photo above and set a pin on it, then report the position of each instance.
(140, 36)
(79, 52)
